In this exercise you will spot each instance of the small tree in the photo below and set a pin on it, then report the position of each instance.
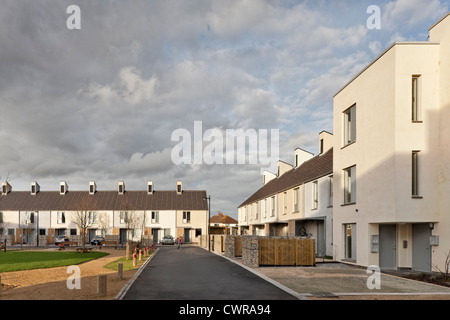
(83, 219)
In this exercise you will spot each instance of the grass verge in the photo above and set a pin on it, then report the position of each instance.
(127, 264)
(28, 260)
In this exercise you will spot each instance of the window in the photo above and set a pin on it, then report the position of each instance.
(350, 185)
(155, 216)
(186, 216)
(321, 146)
(415, 174)
(150, 188)
(123, 217)
(284, 203)
(315, 194)
(265, 208)
(60, 217)
(350, 125)
(296, 199)
(296, 160)
(330, 193)
(91, 189)
(1, 217)
(272, 213)
(350, 241)
(92, 217)
(415, 99)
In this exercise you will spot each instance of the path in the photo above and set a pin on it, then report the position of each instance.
(193, 273)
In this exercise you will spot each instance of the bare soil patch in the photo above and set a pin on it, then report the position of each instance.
(51, 283)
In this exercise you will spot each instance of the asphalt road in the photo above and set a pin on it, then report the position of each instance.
(193, 273)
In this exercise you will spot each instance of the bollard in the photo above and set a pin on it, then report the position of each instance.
(120, 271)
(134, 260)
(127, 254)
(101, 285)
(140, 255)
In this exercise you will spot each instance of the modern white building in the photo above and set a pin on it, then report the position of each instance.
(128, 214)
(391, 162)
(297, 201)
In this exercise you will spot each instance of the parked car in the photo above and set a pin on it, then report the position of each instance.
(97, 240)
(168, 240)
(61, 238)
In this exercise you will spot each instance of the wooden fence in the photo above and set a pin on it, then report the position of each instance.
(287, 252)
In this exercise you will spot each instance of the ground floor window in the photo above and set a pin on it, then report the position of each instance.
(350, 241)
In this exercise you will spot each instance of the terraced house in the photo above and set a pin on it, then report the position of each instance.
(297, 201)
(391, 163)
(128, 214)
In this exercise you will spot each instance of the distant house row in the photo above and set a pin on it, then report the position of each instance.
(128, 214)
(378, 192)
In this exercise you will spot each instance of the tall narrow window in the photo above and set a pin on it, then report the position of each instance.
(330, 192)
(284, 203)
(350, 125)
(186, 217)
(272, 213)
(415, 99)
(321, 146)
(350, 241)
(350, 185)
(415, 174)
(155, 216)
(296, 198)
(315, 193)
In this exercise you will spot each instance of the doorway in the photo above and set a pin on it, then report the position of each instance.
(388, 246)
(421, 251)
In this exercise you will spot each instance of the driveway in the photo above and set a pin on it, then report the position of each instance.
(193, 273)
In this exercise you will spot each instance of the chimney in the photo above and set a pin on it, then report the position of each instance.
(283, 167)
(267, 176)
(6, 188)
(63, 187)
(35, 188)
(302, 156)
(179, 187)
(150, 187)
(325, 141)
(92, 187)
(121, 187)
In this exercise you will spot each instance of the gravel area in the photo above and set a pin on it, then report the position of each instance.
(51, 283)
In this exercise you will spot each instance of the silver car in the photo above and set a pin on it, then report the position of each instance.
(168, 240)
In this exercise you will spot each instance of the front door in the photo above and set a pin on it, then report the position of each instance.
(388, 246)
(421, 253)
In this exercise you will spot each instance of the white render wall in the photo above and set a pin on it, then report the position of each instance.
(386, 137)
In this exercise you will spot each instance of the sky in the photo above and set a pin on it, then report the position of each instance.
(101, 103)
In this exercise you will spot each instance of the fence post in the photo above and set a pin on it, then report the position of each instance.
(101, 285)
(140, 255)
(120, 271)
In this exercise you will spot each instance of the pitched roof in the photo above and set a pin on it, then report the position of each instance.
(314, 168)
(103, 200)
(223, 219)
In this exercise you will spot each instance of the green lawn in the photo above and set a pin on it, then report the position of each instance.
(127, 264)
(27, 260)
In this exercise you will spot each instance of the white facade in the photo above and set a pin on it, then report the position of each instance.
(389, 176)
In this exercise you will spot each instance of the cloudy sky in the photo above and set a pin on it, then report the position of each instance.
(101, 103)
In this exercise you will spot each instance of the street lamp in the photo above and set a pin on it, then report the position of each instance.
(209, 222)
